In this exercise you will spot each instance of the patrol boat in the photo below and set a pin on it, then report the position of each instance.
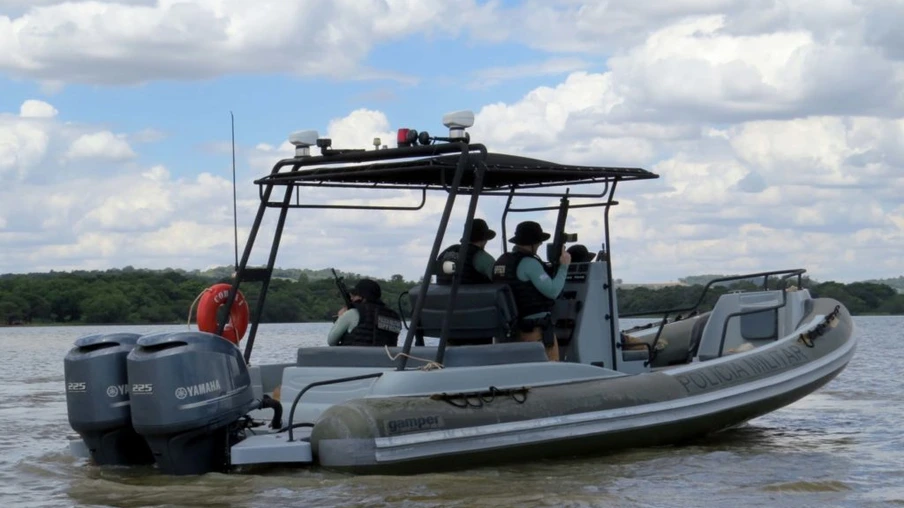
(193, 402)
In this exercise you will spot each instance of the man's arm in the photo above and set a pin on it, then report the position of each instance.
(483, 263)
(346, 323)
(531, 269)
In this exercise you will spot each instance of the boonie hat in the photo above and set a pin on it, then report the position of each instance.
(580, 254)
(366, 288)
(480, 231)
(529, 233)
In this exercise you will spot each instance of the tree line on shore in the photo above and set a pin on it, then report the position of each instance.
(141, 296)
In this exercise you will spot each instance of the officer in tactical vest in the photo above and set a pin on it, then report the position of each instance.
(369, 322)
(478, 264)
(534, 289)
(580, 254)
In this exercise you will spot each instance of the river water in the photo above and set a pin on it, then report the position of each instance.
(841, 446)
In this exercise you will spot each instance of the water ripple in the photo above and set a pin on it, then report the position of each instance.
(839, 447)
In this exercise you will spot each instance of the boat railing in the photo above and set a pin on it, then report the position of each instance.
(785, 275)
(291, 425)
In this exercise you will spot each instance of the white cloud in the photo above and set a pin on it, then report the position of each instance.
(127, 215)
(776, 144)
(756, 195)
(100, 216)
(592, 27)
(607, 28)
(359, 129)
(264, 155)
(127, 42)
(100, 145)
(552, 66)
(144, 202)
(778, 132)
(356, 130)
(695, 70)
(20, 4)
(37, 109)
(726, 60)
(695, 220)
(542, 115)
(814, 207)
(23, 138)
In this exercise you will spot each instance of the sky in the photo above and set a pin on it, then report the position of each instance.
(777, 127)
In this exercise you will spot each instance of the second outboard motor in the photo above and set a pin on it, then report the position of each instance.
(188, 389)
(97, 399)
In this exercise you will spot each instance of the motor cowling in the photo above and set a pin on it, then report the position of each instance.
(188, 388)
(98, 402)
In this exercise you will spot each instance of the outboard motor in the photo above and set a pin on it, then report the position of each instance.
(188, 389)
(97, 399)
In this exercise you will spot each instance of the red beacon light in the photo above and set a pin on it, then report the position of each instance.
(406, 137)
(411, 137)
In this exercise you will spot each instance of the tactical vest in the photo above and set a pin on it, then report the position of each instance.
(378, 325)
(527, 297)
(469, 275)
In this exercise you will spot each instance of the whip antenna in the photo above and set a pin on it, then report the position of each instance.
(235, 220)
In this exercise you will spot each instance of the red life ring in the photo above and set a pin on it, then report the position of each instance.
(212, 299)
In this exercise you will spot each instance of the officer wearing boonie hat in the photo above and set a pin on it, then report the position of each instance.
(580, 254)
(477, 265)
(534, 289)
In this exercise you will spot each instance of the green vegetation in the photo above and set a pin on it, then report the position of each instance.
(897, 283)
(861, 298)
(140, 296)
(137, 296)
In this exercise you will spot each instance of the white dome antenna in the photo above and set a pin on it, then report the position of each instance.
(457, 122)
(303, 141)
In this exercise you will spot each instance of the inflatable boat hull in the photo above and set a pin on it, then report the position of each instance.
(450, 430)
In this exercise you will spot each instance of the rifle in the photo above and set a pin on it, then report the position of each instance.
(340, 283)
(560, 238)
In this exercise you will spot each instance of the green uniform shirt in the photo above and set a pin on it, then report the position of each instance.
(345, 324)
(529, 269)
(483, 263)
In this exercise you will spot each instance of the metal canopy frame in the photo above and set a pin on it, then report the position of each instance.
(456, 168)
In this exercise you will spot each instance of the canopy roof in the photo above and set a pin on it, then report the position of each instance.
(502, 171)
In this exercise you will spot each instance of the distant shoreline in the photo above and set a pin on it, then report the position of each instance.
(194, 326)
(148, 297)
